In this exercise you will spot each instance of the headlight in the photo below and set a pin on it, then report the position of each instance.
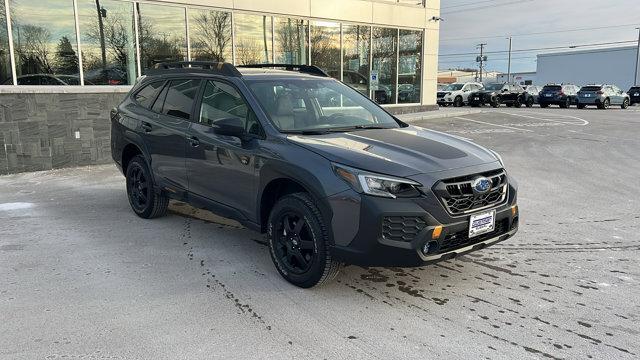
(498, 157)
(377, 185)
(447, 94)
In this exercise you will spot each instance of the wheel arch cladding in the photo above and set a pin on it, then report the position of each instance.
(128, 152)
(275, 189)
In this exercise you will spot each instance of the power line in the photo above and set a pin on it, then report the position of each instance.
(540, 33)
(515, 2)
(547, 48)
(467, 4)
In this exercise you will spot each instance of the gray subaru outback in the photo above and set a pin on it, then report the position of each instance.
(326, 173)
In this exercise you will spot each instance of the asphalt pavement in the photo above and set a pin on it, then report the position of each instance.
(83, 278)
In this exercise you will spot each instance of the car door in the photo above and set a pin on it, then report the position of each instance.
(165, 132)
(222, 169)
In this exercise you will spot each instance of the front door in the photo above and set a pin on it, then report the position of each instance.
(222, 168)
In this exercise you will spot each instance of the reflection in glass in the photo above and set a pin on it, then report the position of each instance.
(325, 47)
(291, 46)
(356, 41)
(385, 45)
(5, 62)
(409, 66)
(210, 35)
(108, 42)
(254, 38)
(162, 32)
(44, 40)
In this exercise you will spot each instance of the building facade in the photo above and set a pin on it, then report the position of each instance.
(615, 66)
(65, 63)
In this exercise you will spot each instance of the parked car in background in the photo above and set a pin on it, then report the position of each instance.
(534, 91)
(634, 95)
(602, 96)
(563, 95)
(527, 99)
(496, 94)
(48, 79)
(457, 94)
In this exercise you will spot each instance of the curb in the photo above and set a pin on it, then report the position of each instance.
(437, 115)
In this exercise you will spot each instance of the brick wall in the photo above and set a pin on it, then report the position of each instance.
(43, 131)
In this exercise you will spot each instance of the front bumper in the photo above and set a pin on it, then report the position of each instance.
(367, 245)
(445, 101)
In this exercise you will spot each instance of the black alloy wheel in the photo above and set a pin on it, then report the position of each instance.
(294, 245)
(144, 201)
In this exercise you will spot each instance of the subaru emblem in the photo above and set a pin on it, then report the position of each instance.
(481, 185)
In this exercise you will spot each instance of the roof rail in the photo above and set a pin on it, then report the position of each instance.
(307, 69)
(220, 68)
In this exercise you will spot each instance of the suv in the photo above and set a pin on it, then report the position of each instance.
(562, 95)
(457, 94)
(499, 93)
(329, 183)
(534, 91)
(602, 96)
(634, 95)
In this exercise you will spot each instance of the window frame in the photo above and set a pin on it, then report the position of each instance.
(198, 106)
(142, 87)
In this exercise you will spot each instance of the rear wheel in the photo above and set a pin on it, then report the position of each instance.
(565, 104)
(581, 106)
(299, 242)
(605, 104)
(625, 104)
(496, 102)
(530, 102)
(144, 201)
(518, 103)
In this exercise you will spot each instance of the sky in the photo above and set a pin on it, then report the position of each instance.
(471, 22)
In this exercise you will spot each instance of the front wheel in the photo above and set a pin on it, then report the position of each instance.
(144, 201)
(496, 102)
(299, 242)
(625, 104)
(530, 102)
(458, 102)
(544, 106)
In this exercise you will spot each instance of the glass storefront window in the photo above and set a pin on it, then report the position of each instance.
(325, 47)
(254, 39)
(44, 40)
(107, 36)
(356, 42)
(385, 59)
(291, 45)
(410, 66)
(163, 34)
(5, 61)
(210, 35)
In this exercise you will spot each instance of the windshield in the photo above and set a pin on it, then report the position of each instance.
(307, 105)
(454, 87)
(493, 86)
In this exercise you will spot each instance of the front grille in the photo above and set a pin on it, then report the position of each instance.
(402, 228)
(458, 196)
(461, 239)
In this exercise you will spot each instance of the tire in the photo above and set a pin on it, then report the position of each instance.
(458, 102)
(301, 252)
(530, 102)
(581, 106)
(517, 103)
(144, 201)
(625, 104)
(566, 104)
(496, 102)
(544, 106)
(605, 104)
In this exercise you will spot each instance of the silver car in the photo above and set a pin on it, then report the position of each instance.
(602, 96)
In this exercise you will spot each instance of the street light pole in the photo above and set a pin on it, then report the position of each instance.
(481, 58)
(509, 64)
(635, 78)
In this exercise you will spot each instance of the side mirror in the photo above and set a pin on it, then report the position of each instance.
(229, 127)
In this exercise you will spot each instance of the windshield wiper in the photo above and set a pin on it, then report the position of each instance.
(306, 132)
(358, 127)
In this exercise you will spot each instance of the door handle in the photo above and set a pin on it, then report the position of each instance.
(193, 141)
(146, 126)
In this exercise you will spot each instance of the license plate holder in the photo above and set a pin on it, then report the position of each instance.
(482, 223)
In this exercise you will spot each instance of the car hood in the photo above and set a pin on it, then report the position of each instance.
(398, 152)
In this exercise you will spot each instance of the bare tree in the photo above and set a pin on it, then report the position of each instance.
(249, 52)
(33, 49)
(290, 41)
(211, 35)
(325, 49)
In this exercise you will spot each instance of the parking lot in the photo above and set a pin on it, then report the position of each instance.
(83, 277)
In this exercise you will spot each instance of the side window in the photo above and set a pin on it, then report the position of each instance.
(181, 95)
(147, 94)
(221, 101)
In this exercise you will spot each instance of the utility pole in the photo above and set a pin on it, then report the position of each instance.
(481, 59)
(635, 78)
(509, 65)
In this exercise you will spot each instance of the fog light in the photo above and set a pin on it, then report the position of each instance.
(514, 210)
(430, 247)
(437, 231)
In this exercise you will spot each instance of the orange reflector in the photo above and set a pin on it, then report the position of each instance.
(436, 232)
(514, 210)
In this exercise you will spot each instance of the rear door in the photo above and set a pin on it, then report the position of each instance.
(221, 168)
(165, 132)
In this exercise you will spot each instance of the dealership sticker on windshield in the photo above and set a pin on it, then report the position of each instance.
(482, 223)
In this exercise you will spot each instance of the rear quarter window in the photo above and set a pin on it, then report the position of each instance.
(147, 94)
